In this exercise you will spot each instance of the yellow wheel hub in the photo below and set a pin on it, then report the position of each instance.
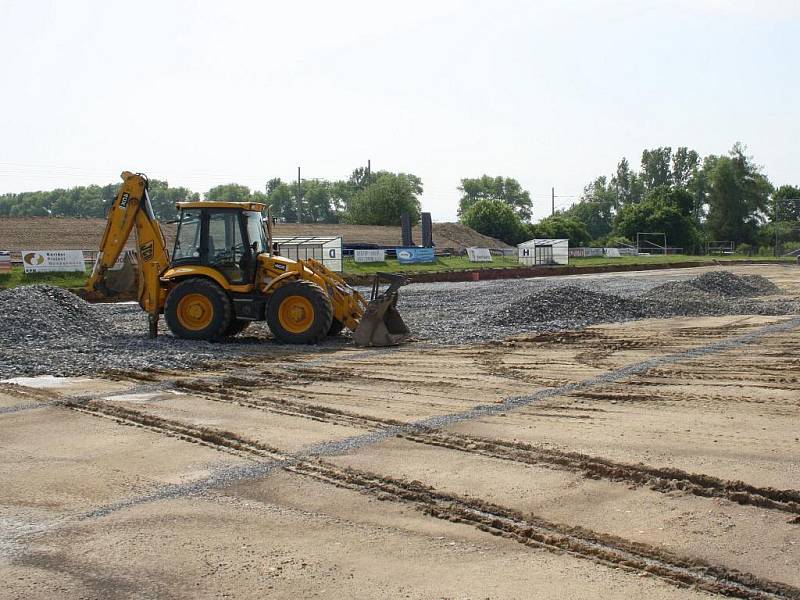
(195, 311)
(296, 314)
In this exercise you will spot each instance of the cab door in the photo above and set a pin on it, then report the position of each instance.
(226, 243)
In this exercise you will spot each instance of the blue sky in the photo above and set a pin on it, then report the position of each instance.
(551, 93)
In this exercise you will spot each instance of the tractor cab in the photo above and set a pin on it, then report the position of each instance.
(225, 236)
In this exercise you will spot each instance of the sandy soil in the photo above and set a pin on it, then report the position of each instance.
(306, 476)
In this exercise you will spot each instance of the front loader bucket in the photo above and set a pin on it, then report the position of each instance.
(382, 324)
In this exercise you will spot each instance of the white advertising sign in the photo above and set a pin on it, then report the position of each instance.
(41, 261)
(613, 253)
(5, 262)
(368, 256)
(479, 255)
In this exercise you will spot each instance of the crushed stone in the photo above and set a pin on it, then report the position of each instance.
(48, 331)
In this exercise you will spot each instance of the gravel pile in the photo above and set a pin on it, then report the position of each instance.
(721, 283)
(568, 304)
(47, 330)
(45, 312)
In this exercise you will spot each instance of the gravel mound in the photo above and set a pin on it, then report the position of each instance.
(48, 330)
(46, 312)
(716, 293)
(569, 304)
(721, 283)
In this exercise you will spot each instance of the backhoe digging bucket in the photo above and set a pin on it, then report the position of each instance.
(381, 324)
(123, 282)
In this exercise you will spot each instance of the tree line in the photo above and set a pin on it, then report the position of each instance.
(689, 198)
(692, 200)
(366, 197)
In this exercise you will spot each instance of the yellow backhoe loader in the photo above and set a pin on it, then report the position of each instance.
(224, 273)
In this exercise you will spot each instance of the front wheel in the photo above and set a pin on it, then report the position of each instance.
(299, 312)
(198, 309)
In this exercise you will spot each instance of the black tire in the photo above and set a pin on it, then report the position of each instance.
(215, 312)
(336, 327)
(236, 327)
(319, 318)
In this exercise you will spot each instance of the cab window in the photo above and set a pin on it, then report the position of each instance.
(255, 232)
(187, 241)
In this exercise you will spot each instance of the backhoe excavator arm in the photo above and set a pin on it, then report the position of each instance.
(132, 210)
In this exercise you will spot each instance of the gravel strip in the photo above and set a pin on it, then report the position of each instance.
(46, 330)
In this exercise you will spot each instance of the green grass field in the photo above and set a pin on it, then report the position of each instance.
(18, 277)
(670, 258)
(462, 264)
(446, 263)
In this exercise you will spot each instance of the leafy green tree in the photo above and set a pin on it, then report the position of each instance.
(282, 198)
(505, 189)
(685, 164)
(561, 226)
(164, 198)
(788, 202)
(317, 202)
(595, 210)
(656, 167)
(676, 197)
(626, 184)
(496, 219)
(738, 197)
(383, 201)
(229, 192)
(656, 214)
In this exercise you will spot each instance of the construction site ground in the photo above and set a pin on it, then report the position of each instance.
(656, 458)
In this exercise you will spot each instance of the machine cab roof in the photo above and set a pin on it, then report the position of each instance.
(256, 206)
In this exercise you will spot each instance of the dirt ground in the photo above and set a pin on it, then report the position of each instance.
(649, 459)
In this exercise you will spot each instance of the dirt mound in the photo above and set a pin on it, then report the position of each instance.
(47, 312)
(19, 233)
(570, 304)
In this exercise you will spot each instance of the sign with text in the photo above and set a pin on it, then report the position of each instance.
(369, 256)
(5, 262)
(408, 256)
(479, 255)
(44, 261)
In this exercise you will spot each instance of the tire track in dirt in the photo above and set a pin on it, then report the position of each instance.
(659, 479)
(528, 530)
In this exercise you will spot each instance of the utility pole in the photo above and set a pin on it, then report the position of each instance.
(299, 199)
(777, 203)
(369, 168)
(553, 199)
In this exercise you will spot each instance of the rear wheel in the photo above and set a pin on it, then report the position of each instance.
(299, 313)
(198, 309)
